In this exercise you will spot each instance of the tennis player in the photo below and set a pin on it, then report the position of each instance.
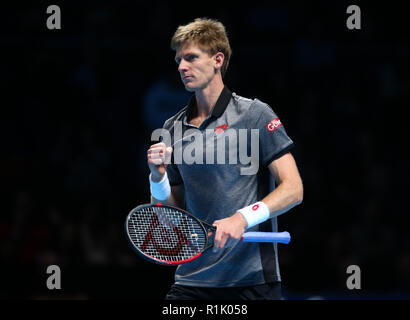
(220, 193)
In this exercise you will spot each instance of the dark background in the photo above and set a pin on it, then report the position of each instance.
(78, 106)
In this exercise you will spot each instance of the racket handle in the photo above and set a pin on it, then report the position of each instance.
(254, 236)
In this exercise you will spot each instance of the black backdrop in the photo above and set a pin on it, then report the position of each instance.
(79, 105)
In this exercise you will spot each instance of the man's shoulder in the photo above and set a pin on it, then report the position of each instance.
(253, 106)
(241, 100)
(168, 124)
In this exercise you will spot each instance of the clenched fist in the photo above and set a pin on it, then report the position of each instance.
(158, 155)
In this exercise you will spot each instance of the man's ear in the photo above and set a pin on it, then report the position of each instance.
(219, 59)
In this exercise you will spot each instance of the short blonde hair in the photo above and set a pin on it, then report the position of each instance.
(209, 34)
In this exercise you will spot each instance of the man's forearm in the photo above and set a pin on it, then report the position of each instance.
(175, 199)
(283, 198)
(170, 201)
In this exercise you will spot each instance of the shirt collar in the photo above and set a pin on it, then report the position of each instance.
(220, 105)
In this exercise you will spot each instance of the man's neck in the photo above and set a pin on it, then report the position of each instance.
(207, 98)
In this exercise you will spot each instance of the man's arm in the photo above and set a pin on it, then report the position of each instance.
(288, 194)
(175, 199)
(158, 157)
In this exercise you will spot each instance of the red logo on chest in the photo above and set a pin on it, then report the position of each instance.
(221, 128)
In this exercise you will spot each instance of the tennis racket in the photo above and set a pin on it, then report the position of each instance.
(170, 236)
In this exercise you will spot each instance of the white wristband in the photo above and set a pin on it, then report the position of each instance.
(160, 190)
(255, 213)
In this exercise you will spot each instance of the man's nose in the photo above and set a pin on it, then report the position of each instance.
(182, 66)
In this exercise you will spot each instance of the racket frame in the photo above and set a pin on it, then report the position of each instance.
(204, 225)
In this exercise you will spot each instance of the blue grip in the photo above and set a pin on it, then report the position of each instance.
(254, 236)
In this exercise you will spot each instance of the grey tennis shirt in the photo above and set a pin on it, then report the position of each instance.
(216, 191)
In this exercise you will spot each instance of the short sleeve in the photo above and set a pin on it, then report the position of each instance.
(273, 139)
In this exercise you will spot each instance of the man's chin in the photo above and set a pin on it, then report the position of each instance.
(189, 87)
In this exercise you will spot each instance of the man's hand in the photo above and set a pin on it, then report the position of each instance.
(229, 229)
(158, 156)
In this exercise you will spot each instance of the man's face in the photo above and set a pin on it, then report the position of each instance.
(196, 67)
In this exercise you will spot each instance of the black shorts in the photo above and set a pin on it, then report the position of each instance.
(266, 291)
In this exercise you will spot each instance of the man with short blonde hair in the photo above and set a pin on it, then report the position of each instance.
(219, 193)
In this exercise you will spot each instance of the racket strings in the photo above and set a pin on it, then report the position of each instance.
(166, 234)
